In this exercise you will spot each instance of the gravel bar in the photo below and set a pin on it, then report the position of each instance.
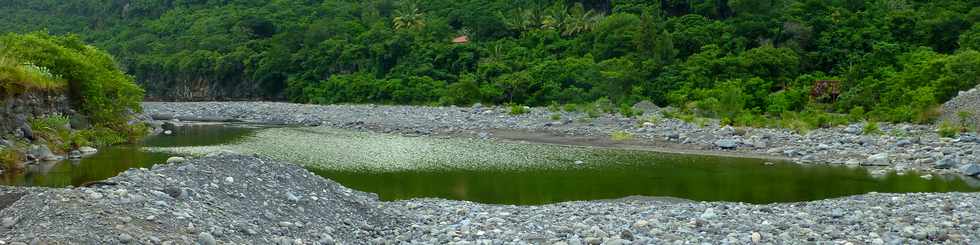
(234, 199)
(900, 147)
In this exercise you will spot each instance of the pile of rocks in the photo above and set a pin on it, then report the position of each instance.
(963, 107)
(228, 198)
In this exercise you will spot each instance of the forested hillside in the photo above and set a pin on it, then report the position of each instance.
(736, 59)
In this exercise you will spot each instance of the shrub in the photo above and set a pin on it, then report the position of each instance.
(621, 136)
(948, 130)
(554, 107)
(9, 158)
(17, 76)
(95, 83)
(604, 105)
(871, 128)
(555, 117)
(569, 107)
(856, 114)
(966, 119)
(627, 111)
(518, 110)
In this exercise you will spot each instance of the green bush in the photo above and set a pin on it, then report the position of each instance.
(966, 119)
(518, 110)
(556, 117)
(569, 107)
(871, 128)
(96, 84)
(856, 114)
(948, 130)
(554, 107)
(9, 158)
(628, 111)
(621, 136)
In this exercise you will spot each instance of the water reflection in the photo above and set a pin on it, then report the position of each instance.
(630, 173)
(110, 161)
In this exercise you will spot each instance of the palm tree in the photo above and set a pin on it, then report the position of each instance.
(580, 21)
(409, 18)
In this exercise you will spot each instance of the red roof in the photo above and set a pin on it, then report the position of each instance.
(461, 39)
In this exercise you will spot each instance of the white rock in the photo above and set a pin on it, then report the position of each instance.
(229, 180)
(87, 150)
(173, 160)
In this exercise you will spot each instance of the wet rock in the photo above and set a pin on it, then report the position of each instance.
(87, 150)
(75, 154)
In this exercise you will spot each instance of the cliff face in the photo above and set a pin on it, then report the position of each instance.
(16, 109)
(968, 103)
(203, 89)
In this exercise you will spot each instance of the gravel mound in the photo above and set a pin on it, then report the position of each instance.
(966, 101)
(227, 198)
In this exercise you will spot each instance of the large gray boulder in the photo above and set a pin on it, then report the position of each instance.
(880, 159)
(946, 163)
(971, 170)
(728, 144)
(41, 152)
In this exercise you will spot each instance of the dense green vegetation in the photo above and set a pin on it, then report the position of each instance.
(895, 60)
(105, 97)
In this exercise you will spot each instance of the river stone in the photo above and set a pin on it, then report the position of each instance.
(967, 137)
(853, 129)
(173, 160)
(971, 170)
(727, 144)
(41, 152)
(25, 131)
(880, 159)
(87, 150)
(946, 163)
(206, 239)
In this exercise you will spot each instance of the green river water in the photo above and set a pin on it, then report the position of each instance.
(609, 174)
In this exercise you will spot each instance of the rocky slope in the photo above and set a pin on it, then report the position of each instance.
(227, 198)
(900, 147)
(966, 103)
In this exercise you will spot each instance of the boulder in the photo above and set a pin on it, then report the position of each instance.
(968, 138)
(26, 132)
(646, 106)
(173, 160)
(75, 154)
(971, 170)
(169, 126)
(79, 122)
(947, 163)
(87, 150)
(41, 152)
(880, 159)
(728, 144)
(854, 129)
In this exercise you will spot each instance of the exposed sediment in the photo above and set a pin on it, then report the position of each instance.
(227, 198)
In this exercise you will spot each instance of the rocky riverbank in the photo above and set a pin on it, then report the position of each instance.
(900, 147)
(227, 198)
